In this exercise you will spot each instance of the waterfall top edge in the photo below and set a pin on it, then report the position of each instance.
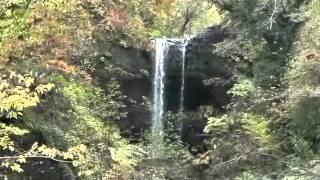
(173, 41)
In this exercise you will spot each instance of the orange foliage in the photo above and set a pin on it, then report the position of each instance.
(62, 66)
(315, 56)
(116, 18)
(59, 46)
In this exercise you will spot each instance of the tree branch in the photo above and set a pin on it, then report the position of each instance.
(28, 4)
(289, 164)
(307, 171)
(270, 21)
(188, 17)
(35, 156)
(229, 161)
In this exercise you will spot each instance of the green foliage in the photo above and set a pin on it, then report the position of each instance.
(93, 99)
(218, 124)
(76, 112)
(303, 80)
(174, 148)
(272, 104)
(74, 155)
(166, 145)
(230, 144)
(83, 114)
(266, 38)
(127, 155)
(247, 175)
(254, 125)
(305, 116)
(169, 17)
(18, 92)
(242, 88)
(14, 15)
(311, 29)
(207, 15)
(6, 143)
(192, 17)
(258, 127)
(90, 116)
(301, 147)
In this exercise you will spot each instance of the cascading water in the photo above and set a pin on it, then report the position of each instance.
(161, 50)
(183, 50)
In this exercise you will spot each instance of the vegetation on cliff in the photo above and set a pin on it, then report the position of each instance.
(63, 96)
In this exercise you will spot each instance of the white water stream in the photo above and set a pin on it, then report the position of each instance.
(161, 51)
(183, 50)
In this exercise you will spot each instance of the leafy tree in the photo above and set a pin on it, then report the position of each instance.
(18, 93)
(302, 78)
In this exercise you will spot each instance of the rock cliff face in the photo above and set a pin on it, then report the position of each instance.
(134, 67)
(208, 76)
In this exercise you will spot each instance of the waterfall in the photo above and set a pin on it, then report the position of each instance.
(161, 50)
(183, 50)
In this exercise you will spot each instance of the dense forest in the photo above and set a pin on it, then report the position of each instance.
(238, 85)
